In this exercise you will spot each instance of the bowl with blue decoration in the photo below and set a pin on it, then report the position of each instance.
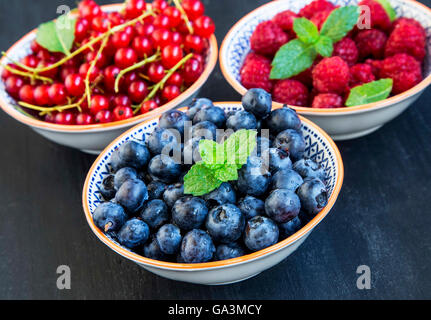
(319, 147)
(340, 123)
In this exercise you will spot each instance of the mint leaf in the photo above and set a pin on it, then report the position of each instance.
(200, 180)
(388, 8)
(58, 35)
(370, 92)
(306, 30)
(211, 152)
(291, 59)
(340, 22)
(239, 146)
(324, 46)
(228, 172)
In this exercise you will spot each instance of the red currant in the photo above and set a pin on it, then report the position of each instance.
(137, 91)
(65, 118)
(129, 78)
(193, 43)
(125, 57)
(156, 72)
(148, 106)
(122, 101)
(121, 40)
(99, 103)
(26, 94)
(52, 73)
(145, 29)
(161, 38)
(44, 55)
(183, 28)
(50, 117)
(57, 94)
(159, 5)
(177, 38)
(83, 70)
(192, 71)
(110, 74)
(174, 16)
(175, 79)
(115, 18)
(83, 119)
(134, 8)
(100, 24)
(13, 85)
(193, 8)
(30, 61)
(104, 116)
(41, 95)
(102, 59)
(6, 73)
(81, 29)
(75, 85)
(65, 71)
(122, 113)
(89, 9)
(170, 92)
(204, 26)
(35, 47)
(142, 46)
(171, 55)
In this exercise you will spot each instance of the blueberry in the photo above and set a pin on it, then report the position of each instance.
(152, 251)
(164, 168)
(109, 216)
(262, 144)
(253, 177)
(191, 151)
(308, 168)
(132, 195)
(130, 154)
(241, 120)
(155, 213)
(279, 160)
(225, 223)
(107, 189)
(196, 247)
(123, 175)
(282, 119)
(313, 195)
(291, 141)
(163, 141)
(258, 102)
(189, 212)
(134, 233)
(213, 114)
(226, 251)
(174, 119)
(156, 189)
(251, 207)
(169, 238)
(223, 194)
(290, 227)
(282, 205)
(173, 193)
(260, 233)
(197, 105)
(204, 130)
(286, 179)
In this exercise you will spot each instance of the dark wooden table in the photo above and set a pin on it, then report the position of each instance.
(382, 218)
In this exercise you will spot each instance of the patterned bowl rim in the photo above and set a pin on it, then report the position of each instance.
(321, 112)
(10, 109)
(217, 264)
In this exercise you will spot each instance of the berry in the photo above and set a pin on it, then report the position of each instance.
(30, 61)
(161, 38)
(193, 69)
(308, 168)
(291, 141)
(134, 8)
(290, 92)
(225, 223)
(107, 189)
(189, 212)
(110, 74)
(371, 43)
(198, 104)
(148, 106)
(267, 38)
(159, 5)
(331, 75)
(258, 102)
(361, 73)
(286, 179)
(346, 49)
(319, 18)
(13, 85)
(57, 94)
(212, 114)
(88, 9)
(156, 72)
(121, 101)
(123, 175)
(222, 195)
(278, 160)
(109, 216)
(83, 71)
(171, 55)
(379, 18)
(152, 251)
(98, 103)
(163, 140)
(122, 113)
(26, 94)
(282, 119)
(290, 227)
(241, 120)
(177, 38)
(155, 213)
(173, 193)
(255, 72)
(175, 79)
(260, 233)
(197, 246)
(174, 119)
(162, 21)
(142, 46)
(41, 95)
(125, 57)
(282, 205)
(64, 118)
(164, 168)
(130, 154)
(156, 190)
(100, 23)
(193, 8)
(376, 65)
(170, 92)
(169, 238)
(285, 20)
(253, 177)
(134, 233)
(83, 119)
(327, 101)
(229, 251)
(75, 85)
(314, 7)
(137, 91)
(204, 130)
(193, 43)
(174, 16)
(103, 116)
(132, 194)
(121, 40)
(204, 26)
(313, 195)
(251, 207)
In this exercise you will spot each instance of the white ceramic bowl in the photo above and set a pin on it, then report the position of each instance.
(93, 138)
(342, 123)
(320, 147)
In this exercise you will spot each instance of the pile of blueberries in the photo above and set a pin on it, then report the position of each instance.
(277, 192)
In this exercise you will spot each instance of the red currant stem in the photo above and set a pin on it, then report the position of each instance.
(134, 67)
(184, 16)
(44, 110)
(143, 76)
(27, 74)
(162, 82)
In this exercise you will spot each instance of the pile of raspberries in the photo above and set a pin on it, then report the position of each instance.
(393, 50)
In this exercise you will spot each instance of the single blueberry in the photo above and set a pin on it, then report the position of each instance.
(169, 238)
(173, 193)
(107, 189)
(152, 251)
(260, 233)
(313, 195)
(196, 247)
(123, 175)
(155, 213)
(109, 216)
(226, 251)
(241, 120)
(130, 154)
(251, 207)
(189, 212)
(282, 205)
(164, 168)
(163, 141)
(279, 160)
(282, 119)
(134, 233)
(156, 189)
(253, 177)
(308, 168)
(174, 119)
(191, 152)
(223, 194)
(286, 179)
(292, 142)
(204, 130)
(132, 195)
(225, 223)
(290, 227)
(258, 102)
(197, 105)
(213, 114)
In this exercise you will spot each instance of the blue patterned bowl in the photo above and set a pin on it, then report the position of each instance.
(341, 123)
(319, 147)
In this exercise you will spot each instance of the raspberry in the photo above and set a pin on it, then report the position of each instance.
(346, 49)
(371, 43)
(290, 92)
(376, 65)
(255, 72)
(316, 6)
(306, 77)
(331, 75)
(379, 18)
(409, 21)
(320, 17)
(404, 70)
(268, 38)
(327, 101)
(361, 73)
(407, 37)
(284, 20)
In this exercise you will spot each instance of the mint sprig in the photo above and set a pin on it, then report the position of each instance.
(58, 35)
(388, 8)
(340, 22)
(370, 92)
(220, 162)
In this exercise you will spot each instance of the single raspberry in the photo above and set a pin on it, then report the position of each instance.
(404, 70)
(409, 21)
(331, 75)
(316, 6)
(407, 37)
(346, 49)
(327, 101)
(290, 92)
(379, 18)
(268, 38)
(255, 72)
(284, 20)
(376, 65)
(320, 17)
(361, 73)
(371, 43)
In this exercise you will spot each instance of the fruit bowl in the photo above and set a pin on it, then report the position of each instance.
(340, 123)
(319, 147)
(95, 137)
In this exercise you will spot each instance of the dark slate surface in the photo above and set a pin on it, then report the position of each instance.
(382, 218)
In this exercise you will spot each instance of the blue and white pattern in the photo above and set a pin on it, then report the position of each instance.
(237, 45)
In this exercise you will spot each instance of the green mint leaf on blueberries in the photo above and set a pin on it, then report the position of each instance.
(388, 8)
(228, 172)
(58, 35)
(340, 22)
(324, 46)
(306, 30)
(239, 146)
(212, 153)
(370, 92)
(292, 58)
(200, 180)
